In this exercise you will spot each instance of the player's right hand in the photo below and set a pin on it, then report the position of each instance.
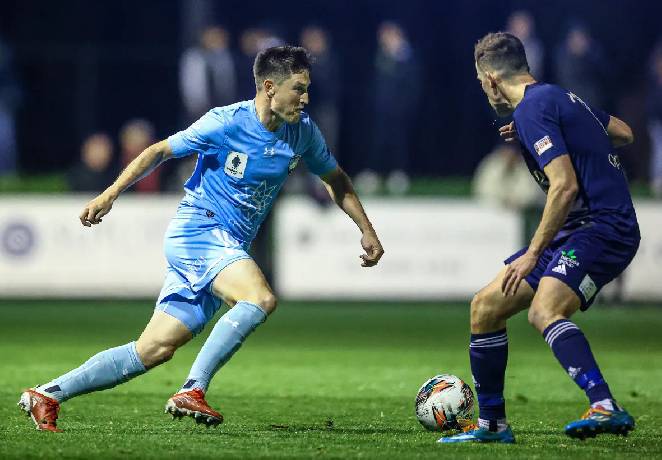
(96, 209)
(508, 132)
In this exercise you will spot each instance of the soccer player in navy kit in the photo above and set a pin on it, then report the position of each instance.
(245, 153)
(587, 236)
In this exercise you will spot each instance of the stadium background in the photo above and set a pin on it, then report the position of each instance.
(336, 369)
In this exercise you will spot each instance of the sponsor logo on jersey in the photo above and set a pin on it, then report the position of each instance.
(569, 258)
(560, 269)
(588, 288)
(542, 145)
(235, 164)
(269, 151)
(293, 163)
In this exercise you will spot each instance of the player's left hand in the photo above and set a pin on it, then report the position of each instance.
(516, 271)
(373, 249)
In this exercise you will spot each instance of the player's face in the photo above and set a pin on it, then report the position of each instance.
(494, 95)
(290, 97)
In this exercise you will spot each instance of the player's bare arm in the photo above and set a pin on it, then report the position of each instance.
(341, 190)
(140, 167)
(619, 132)
(563, 189)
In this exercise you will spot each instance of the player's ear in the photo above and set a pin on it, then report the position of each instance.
(269, 88)
(493, 83)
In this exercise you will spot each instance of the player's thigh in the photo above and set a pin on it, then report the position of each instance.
(244, 281)
(554, 300)
(161, 337)
(492, 303)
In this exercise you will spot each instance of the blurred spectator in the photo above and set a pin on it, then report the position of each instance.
(135, 136)
(522, 25)
(396, 86)
(94, 172)
(503, 179)
(251, 42)
(580, 65)
(207, 74)
(325, 92)
(655, 120)
(9, 101)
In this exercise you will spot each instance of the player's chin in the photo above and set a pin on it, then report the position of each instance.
(294, 117)
(502, 110)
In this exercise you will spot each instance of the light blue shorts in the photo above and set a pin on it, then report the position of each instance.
(197, 248)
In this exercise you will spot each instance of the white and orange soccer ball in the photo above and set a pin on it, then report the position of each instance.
(445, 402)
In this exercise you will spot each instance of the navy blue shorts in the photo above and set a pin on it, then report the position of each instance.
(585, 260)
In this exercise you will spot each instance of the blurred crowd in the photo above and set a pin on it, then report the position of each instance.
(581, 66)
(216, 70)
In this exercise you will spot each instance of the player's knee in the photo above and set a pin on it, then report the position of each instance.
(156, 353)
(539, 316)
(483, 311)
(268, 302)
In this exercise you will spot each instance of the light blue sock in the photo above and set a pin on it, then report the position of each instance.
(225, 339)
(102, 371)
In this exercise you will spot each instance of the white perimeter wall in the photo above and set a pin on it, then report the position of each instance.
(435, 249)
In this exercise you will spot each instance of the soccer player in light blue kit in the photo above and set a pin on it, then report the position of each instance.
(245, 153)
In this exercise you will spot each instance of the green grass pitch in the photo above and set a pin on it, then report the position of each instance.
(320, 381)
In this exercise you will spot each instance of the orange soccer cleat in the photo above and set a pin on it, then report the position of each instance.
(42, 409)
(193, 404)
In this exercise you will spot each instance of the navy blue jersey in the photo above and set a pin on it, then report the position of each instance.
(551, 122)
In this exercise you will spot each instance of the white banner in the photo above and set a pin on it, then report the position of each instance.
(435, 249)
(46, 252)
(643, 278)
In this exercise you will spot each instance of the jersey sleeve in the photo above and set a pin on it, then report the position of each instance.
(205, 136)
(317, 156)
(539, 130)
(602, 116)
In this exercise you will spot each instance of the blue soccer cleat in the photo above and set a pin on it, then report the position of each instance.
(597, 420)
(481, 435)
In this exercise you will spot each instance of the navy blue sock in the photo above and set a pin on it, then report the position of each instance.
(488, 354)
(574, 353)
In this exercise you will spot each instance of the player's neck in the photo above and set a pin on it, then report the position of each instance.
(514, 89)
(267, 117)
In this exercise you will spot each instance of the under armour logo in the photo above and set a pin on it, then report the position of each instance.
(234, 324)
(269, 151)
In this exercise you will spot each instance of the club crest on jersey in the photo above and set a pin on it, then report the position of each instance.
(542, 145)
(235, 164)
(615, 160)
(293, 163)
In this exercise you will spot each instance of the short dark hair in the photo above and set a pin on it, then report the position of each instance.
(280, 62)
(502, 52)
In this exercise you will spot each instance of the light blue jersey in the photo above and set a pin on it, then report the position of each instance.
(242, 166)
(240, 170)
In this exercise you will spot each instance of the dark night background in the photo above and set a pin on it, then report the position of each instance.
(87, 66)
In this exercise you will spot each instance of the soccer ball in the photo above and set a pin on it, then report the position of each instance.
(445, 402)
